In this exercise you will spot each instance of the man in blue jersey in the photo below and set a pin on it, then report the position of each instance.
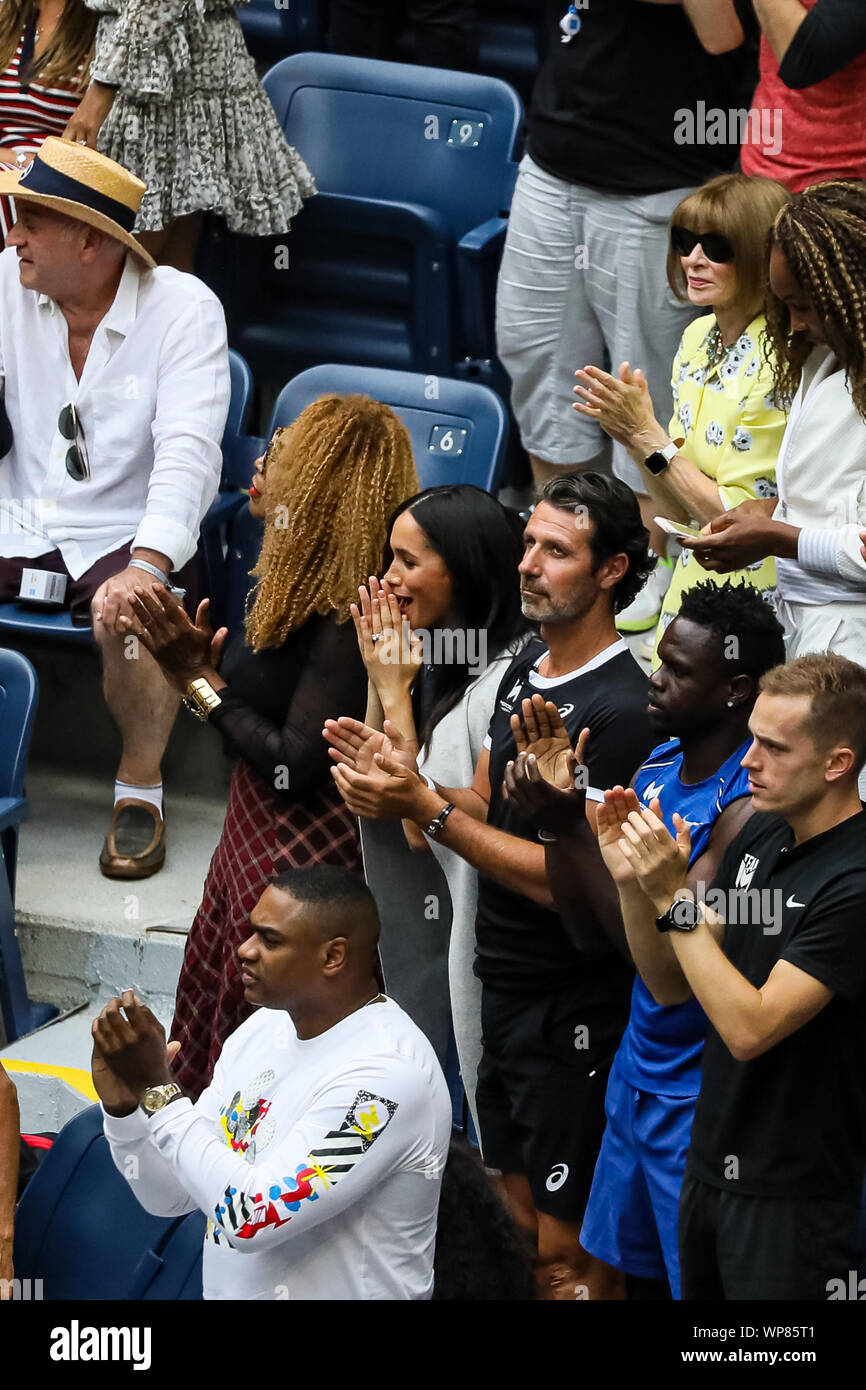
(712, 657)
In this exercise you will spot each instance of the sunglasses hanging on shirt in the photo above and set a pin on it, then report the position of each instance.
(714, 245)
(71, 429)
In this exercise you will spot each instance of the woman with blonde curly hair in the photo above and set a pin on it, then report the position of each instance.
(325, 489)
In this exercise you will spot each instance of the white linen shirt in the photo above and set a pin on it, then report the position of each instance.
(152, 399)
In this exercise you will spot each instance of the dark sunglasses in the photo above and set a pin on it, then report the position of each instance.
(272, 447)
(70, 427)
(714, 246)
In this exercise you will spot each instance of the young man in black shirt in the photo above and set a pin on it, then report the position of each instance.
(553, 1007)
(775, 952)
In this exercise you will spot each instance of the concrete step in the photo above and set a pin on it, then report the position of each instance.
(83, 935)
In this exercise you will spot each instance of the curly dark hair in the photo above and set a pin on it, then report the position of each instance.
(617, 528)
(480, 1253)
(737, 610)
(821, 233)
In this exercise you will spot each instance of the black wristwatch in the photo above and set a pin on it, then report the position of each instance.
(658, 460)
(684, 914)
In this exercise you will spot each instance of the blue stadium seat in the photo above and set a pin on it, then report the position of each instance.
(393, 263)
(19, 696)
(239, 450)
(275, 28)
(459, 432)
(81, 1231)
(17, 619)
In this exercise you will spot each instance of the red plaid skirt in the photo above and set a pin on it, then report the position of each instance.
(260, 838)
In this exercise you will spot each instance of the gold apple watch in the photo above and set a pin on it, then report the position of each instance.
(201, 699)
(156, 1098)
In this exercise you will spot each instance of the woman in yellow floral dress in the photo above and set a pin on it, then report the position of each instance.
(721, 444)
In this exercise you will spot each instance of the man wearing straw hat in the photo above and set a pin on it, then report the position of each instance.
(116, 384)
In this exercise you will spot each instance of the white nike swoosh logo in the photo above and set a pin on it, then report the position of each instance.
(792, 902)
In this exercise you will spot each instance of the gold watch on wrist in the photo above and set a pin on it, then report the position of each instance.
(201, 699)
(156, 1098)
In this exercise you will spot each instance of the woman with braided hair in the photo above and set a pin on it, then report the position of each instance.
(816, 339)
(325, 488)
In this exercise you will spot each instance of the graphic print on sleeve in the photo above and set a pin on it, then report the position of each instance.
(247, 1213)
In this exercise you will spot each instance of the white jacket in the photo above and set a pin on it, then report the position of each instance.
(821, 477)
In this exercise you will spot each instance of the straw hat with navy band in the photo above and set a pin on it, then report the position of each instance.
(83, 184)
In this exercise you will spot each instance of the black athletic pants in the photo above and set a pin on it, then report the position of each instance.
(737, 1247)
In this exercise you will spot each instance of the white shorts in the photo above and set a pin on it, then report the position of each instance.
(583, 282)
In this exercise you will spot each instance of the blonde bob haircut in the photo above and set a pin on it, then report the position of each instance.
(333, 479)
(743, 208)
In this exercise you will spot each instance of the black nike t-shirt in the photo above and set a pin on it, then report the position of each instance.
(792, 1122)
(625, 105)
(522, 946)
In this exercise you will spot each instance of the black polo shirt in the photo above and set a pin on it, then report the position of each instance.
(522, 946)
(792, 1122)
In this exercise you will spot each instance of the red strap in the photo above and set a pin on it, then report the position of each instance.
(37, 1141)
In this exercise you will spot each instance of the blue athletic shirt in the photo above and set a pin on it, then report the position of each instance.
(662, 1045)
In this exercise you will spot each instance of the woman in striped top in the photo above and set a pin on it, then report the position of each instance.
(45, 52)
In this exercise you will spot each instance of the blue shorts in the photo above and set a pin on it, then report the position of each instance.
(632, 1213)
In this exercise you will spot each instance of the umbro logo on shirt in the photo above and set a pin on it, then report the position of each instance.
(653, 790)
(746, 871)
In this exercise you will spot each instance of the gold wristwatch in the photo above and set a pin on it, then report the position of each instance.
(201, 699)
(158, 1097)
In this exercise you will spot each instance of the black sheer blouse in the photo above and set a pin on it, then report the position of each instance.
(276, 701)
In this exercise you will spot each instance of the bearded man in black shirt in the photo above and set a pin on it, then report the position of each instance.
(775, 952)
(555, 997)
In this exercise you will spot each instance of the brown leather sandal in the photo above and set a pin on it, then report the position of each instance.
(135, 844)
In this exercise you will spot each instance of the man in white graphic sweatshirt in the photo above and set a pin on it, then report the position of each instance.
(317, 1150)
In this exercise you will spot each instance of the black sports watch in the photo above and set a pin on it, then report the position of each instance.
(658, 460)
(684, 914)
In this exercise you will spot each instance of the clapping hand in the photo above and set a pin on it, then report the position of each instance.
(355, 744)
(129, 1053)
(185, 650)
(621, 405)
(659, 861)
(390, 652)
(618, 804)
(390, 790)
(546, 782)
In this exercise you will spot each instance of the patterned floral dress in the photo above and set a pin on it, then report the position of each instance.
(732, 430)
(191, 118)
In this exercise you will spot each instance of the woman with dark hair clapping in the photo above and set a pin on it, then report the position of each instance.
(436, 637)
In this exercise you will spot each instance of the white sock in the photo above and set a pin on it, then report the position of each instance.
(152, 794)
